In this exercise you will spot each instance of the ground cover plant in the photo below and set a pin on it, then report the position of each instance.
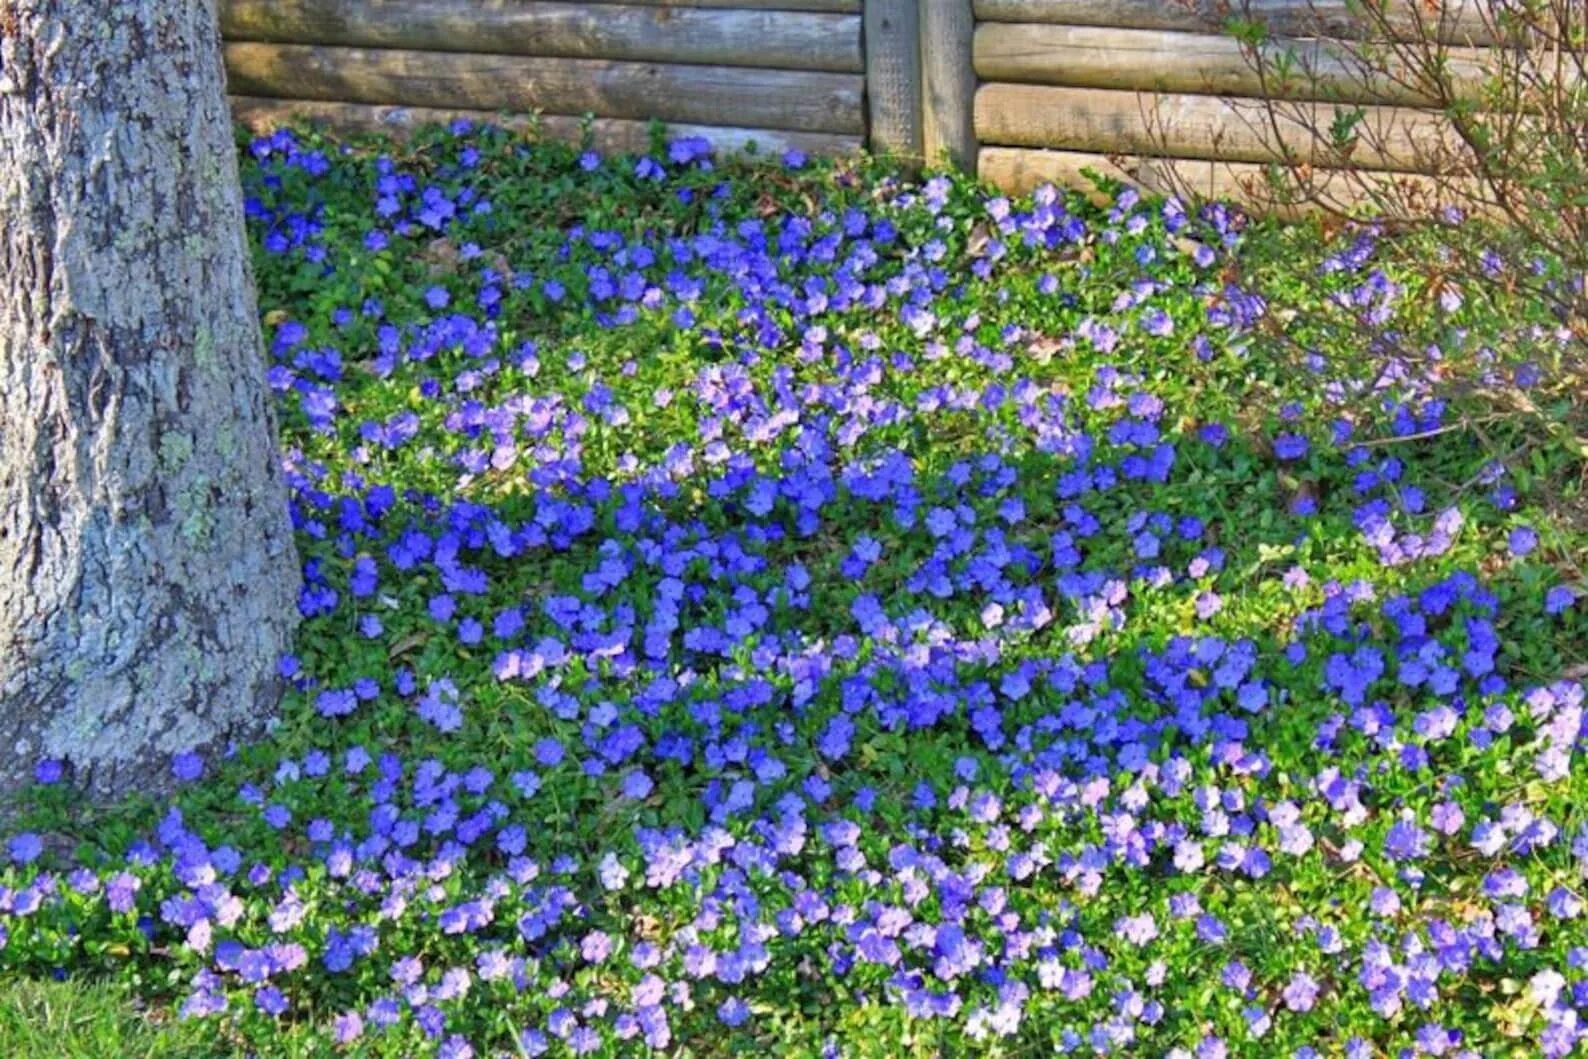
(781, 607)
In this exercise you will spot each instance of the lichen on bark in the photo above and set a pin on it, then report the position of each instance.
(147, 575)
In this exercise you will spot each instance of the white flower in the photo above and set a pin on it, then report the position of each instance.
(1546, 986)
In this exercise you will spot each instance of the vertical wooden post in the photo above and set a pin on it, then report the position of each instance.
(893, 77)
(948, 83)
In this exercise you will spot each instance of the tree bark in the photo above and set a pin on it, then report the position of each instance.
(148, 578)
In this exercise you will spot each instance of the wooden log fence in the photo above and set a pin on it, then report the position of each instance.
(1204, 63)
(773, 99)
(1450, 21)
(1160, 93)
(1154, 91)
(779, 74)
(794, 40)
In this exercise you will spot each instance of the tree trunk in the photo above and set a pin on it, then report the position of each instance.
(148, 579)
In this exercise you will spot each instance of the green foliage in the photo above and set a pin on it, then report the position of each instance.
(92, 1020)
(1143, 416)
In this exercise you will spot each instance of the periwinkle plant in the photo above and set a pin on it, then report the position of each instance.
(780, 607)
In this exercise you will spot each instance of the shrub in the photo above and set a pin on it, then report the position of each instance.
(1501, 217)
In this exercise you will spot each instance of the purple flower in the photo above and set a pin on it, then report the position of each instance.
(1214, 434)
(1301, 992)
(1138, 930)
(407, 970)
(1446, 818)
(270, 1000)
(733, 1012)
(25, 848)
(440, 705)
(1208, 604)
(187, 766)
(1157, 322)
(1384, 901)
(1405, 841)
(1522, 540)
(1290, 446)
(335, 702)
(595, 946)
(612, 873)
(121, 891)
(348, 1027)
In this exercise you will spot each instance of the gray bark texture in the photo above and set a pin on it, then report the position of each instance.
(148, 579)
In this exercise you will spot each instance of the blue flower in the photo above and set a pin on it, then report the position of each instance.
(1290, 446)
(25, 848)
(733, 1012)
(187, 766)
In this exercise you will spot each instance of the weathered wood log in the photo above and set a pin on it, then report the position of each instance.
(1176, 61)
(1018, 170)
(708, 95)
(1451, 21)
(793, 40)
(1233, 130)
(948, 82)
(841, 7)
(893, 77)
(609, 135)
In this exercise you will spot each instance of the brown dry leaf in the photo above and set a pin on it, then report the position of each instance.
(1043, 347)
(406, 644)
(979, 238)
(441, 255)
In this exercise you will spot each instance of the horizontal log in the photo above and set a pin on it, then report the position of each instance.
(608, 135)
(1190, 126)
(794, 40)
(1019, 170)
(840, 7)
(1451, 21)
(1176, 61)
(705, 95)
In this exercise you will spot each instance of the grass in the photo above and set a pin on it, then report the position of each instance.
(41, 1019)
